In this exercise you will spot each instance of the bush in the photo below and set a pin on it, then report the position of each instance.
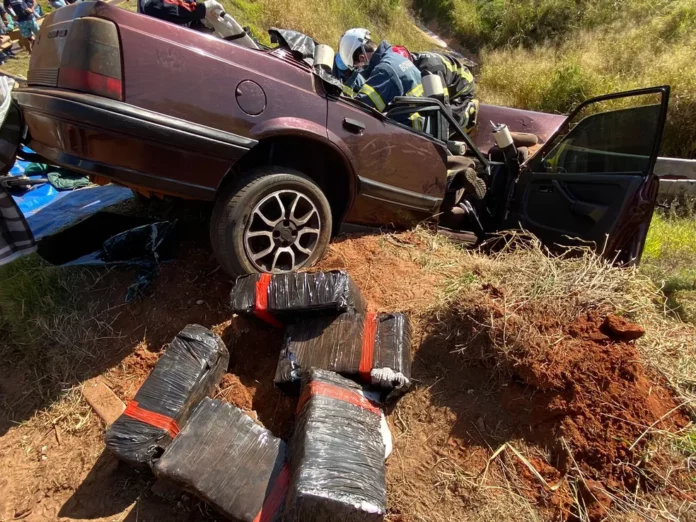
(549, 55)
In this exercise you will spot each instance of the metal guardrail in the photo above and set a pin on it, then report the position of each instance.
(677, 176)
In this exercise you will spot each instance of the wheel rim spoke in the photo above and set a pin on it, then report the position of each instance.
(282, 207)
(298, 244)
(283, 250)
(274, 234)
(261, 233)
(304, 219)
(265, 219)
(263, 253)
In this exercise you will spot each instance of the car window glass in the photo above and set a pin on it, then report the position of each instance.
(608, 136)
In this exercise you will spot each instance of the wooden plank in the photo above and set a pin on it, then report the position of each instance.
(104, 401)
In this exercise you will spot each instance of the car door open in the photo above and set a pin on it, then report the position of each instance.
(593, 181)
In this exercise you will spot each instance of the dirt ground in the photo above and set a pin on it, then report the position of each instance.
(476, 439)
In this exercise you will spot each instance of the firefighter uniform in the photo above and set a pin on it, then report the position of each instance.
(389, 75)
(351, 81)
(458, 83)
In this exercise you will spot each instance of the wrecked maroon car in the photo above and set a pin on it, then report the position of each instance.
(287, 158)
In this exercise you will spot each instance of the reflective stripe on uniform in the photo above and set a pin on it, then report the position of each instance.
(466, 74)
(471, 116)
(416, 91)
(348, 91)
(416, 121)
(462, 72)
(447, 63)
(374, 96)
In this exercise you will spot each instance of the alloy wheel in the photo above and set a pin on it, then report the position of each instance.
(282, 232)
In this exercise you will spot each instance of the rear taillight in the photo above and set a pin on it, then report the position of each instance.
(91, 60)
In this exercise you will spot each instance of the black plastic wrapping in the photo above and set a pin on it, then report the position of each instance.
(301, 45)
(286, 295)
(374, 348)
(337, 469)
(188, 370)
(225, 458)
(144, 247)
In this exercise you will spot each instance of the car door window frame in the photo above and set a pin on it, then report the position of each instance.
(534, 163)
(383, 116)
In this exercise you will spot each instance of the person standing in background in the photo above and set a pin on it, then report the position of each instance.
(24, 14)
(6, 25)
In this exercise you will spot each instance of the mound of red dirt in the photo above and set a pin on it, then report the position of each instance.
(588, 400)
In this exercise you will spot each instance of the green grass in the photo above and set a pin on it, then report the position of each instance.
(668, 258)
(551, 54)
(17, 66)
(326, 20)
(29, 289)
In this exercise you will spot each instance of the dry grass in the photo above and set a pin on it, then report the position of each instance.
(17, 66)
(51, 328)
(53, 331)
(570, 285)
(551, 54)
(326, 21)
(532, 283)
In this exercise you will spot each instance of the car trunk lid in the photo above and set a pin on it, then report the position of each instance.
(75, 50)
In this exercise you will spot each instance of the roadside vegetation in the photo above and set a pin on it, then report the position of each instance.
(546, 55)
(549, 55)
(669, 255)
(326, 20)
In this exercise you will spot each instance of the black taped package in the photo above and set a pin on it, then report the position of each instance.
(337, 469)
(278, 296)
(188, 370)
(226, 459)
(373, 347)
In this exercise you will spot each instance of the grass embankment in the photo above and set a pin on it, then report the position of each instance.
(549, 54)
(325, 21)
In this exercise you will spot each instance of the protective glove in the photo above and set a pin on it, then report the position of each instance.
(212, 9)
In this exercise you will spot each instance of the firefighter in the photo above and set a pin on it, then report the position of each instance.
(388, 74)
(188, 13)
(352, 80)
(458, 83)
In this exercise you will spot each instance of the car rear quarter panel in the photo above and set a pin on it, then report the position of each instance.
(193, 76)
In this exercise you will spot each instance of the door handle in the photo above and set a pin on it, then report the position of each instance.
(354, 126)
(591, 210)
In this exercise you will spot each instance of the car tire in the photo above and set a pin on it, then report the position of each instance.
(273, 219)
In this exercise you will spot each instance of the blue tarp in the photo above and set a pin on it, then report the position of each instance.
(48, 210)
(67, 208)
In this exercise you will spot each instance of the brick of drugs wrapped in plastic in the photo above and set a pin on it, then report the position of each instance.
(337, 469)
(373, 347)
(225, 458)
(279, 296)
(188, 370)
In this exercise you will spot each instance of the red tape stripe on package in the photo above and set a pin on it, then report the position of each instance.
(153, 419)
(275, 498)
(261, 304)
(336, 392)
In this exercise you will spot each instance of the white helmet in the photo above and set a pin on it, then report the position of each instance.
(352, 40)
